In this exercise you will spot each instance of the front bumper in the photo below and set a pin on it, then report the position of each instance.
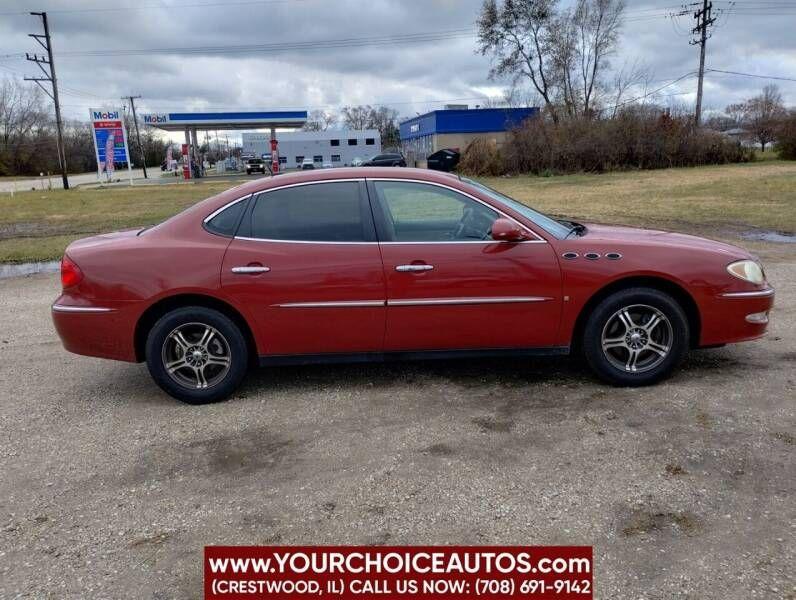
(104, 331)
(736, 317)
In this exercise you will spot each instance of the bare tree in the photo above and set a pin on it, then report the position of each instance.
(385, 119)
(24, 128)
(519, 35)
(357, 117)
(562, 53)
(597, 24)
(763, 114)
(736, 112)
(632, 76)
(320, 120)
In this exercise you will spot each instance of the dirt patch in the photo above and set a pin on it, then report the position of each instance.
(437, 450)
(241, 454)
(152, 540)
(492, 425)
(642, 522)
(675, 470)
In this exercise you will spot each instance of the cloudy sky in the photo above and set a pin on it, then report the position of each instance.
(411, 54)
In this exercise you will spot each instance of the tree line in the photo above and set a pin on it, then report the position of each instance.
(382, 118)
(28, 138)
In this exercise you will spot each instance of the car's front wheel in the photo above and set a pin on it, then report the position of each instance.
(196, 354)
(636, 336)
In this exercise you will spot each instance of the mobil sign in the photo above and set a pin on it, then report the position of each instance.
(110, 139)
(155, 119)
(105, 115)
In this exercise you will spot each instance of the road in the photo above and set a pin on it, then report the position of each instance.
(55, 181)
(109, 488)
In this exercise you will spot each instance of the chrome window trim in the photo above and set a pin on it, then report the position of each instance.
(465, 242)
(292, 185)
(218, 211)
(251, 239)
(539, 239)
(455, 301)
(80, 309)
(755, 294)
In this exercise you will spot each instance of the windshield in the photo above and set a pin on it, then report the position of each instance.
(551, 226)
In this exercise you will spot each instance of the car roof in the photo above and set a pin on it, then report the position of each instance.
(294, 177)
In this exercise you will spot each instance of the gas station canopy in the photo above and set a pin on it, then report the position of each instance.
(227, 120)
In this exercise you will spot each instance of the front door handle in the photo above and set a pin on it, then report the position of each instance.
(250, 270)
(413, 268)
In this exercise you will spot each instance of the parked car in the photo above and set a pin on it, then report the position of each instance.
(385, 264)
(307, 164)
(255, 165)
(385, 160)
(443, 160)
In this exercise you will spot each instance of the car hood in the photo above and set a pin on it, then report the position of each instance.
(619, 234)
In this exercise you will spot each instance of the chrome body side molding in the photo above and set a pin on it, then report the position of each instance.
(81, 309)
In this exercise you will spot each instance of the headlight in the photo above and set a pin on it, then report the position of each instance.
(748, 270)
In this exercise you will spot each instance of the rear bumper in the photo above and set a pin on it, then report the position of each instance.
(104, 331)
(736, 317)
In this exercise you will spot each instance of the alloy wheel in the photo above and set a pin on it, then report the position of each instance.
(196, 356)
(637, 338)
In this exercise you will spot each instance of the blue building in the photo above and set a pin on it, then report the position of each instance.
(456, 127)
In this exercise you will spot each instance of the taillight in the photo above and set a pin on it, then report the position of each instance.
(70, 272)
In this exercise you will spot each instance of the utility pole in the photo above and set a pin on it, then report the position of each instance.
(704, 20)
(49, 76)
(132, 100)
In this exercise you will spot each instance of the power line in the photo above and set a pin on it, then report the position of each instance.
(653, 92)
(100, 9)
(751, 75)
(412, 38)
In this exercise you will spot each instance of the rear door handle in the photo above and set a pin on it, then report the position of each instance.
(413, 268)
(250, 270)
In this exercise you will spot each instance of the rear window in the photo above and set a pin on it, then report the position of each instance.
(226, 222)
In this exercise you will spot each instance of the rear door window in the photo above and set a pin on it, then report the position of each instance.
(320, 212)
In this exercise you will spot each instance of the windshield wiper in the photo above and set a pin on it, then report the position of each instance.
(576, 228)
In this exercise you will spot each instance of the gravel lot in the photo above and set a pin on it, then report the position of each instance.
(110, 489)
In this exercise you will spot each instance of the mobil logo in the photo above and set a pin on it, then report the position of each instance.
(155, 119)
(105, 115)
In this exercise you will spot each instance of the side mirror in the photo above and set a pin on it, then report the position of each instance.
(506, 230)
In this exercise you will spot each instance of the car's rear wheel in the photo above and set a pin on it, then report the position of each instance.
(636, 336)
(196, 354)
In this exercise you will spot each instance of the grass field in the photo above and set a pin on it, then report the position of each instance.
(716, 201)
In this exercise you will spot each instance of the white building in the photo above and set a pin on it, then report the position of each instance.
(338, 147)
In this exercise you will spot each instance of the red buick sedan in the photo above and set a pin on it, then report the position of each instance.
(348, 265)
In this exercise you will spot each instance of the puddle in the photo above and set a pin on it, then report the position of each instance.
(22, 269)
(770, 236)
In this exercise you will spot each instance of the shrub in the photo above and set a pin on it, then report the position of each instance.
(481, 157)
(786, 137)
(631, 140)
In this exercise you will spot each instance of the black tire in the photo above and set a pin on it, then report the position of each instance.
(226, 343)
(651, 364)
